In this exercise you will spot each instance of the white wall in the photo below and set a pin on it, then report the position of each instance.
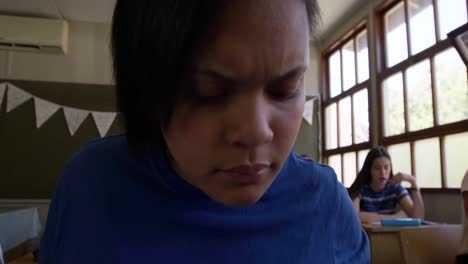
(312, 75)
(87, 60)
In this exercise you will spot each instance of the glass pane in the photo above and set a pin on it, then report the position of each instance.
(418, 79)
(349, 168)
(427, 163)
(335, 163)
(422, 27)
(452, 14)
(401, 159)
(452, 87)
(393, 105)
(345, 122)
(362, 157)
(349, 66)
(362, 57)
(361, 117)
(456, 158)
(335, 74)
(396, 42)
(331, 129)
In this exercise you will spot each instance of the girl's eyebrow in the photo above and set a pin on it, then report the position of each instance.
(216, 75)
(291, 74)
(225, 78)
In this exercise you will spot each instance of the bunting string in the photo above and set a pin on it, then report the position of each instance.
(44, 110)
(74, 117)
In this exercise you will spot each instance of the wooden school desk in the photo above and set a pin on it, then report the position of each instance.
(435, 243)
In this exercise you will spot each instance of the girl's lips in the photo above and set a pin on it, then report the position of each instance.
(383, 179)
(246, 174)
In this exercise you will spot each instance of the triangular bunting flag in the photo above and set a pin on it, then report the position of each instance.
(74, 118)
(44, 110)
(2, 92)
(16, 97)
(308, 114)
(103, 121)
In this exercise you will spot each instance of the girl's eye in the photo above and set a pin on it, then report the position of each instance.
(209, 88)
(209, 92)
(285, 90)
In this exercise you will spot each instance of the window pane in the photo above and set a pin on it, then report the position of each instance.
(362, 57)
(418, 79)
(331, 129)
(452, 14)
(422, 27)
(361, 117)
(393, 106)
(401, 159)
(349, 168)
(456, 158)
(345, 122)
(362, 157)
(335, 74)
(427, 163)
(396, 42)
(349, 66)
(335, 163)
(452, 87)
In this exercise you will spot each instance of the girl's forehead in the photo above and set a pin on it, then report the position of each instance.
(381, 161)
(250, 44)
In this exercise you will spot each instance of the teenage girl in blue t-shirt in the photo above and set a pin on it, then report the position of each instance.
(212, 95)
(377, 193)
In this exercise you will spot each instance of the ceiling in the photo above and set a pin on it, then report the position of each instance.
(100, 11)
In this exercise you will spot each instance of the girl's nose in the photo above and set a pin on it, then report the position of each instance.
(251, 124)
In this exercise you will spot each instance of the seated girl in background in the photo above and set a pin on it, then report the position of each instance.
(377, 193)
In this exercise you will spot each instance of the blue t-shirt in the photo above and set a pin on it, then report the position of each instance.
(110, 208)
(383, 202)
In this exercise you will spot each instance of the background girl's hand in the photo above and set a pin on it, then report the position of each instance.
(400, 176)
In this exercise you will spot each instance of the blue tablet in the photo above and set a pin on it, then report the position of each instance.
(401, 222)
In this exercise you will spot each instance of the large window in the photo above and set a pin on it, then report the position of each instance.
(424, 91)
(421, 89)
(346, 104)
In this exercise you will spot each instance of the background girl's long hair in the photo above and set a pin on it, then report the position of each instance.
(364, 175)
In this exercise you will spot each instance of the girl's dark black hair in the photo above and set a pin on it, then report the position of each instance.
(152, 47)
(364, 175)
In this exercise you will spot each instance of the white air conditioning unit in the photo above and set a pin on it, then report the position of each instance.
(33, 34)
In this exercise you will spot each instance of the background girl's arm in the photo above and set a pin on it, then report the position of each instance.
(414, 205)
(367, 217)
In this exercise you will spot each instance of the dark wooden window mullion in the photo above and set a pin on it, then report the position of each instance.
(423, 55)
(356, 159)
(341, 69)
(380, 111)
(436, 20)
(338, 143)
(326, 87)
(413, 160)
(405, 102)
(342, 167)
(351, 148)
(356, 65)
(338, 103)
(435, 102)
(448, 129)
(443, 165)
(347, 93)
(352, 119)
(355, 83)
(408, 35)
